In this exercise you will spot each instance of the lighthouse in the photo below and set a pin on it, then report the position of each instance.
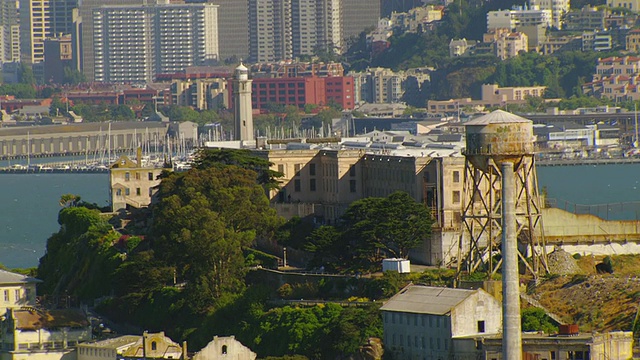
(242, 104)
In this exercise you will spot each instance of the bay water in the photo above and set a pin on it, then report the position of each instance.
(29, 202)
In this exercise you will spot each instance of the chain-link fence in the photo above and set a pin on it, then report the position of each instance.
(614, 211)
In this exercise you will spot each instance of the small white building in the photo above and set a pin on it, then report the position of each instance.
(226, 347)
(439, 323)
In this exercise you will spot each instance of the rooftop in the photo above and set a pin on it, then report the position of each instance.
(498, 117)
(7, 277)
(420, 299)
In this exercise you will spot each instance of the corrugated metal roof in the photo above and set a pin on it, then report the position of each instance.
(115, 343)
(7, 277)
(498, 117)
(419, 299)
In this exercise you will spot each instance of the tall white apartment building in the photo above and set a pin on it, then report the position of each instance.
(270, 27)
(9, 31)
(558, 9)
(511, 19)
(86, 14)
(132, 44)
(284, 29)
(35, 26)
(316, 24)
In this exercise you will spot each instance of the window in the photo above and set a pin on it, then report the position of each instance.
(127, 176)
(17, 294)
(352, 186)
(119, 192)
(6, 295)
(296, 168)
(456, 176)
(296, 185)
(456, 197)
(224, 349)
(312, 169)
(150, 176)
(154, 345)
(352, 171)
(312, 184)
(281, 168)
(127, 192)
(138, 191)
(481, 326)
(137, 176)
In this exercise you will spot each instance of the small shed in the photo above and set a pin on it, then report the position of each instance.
(402, 266)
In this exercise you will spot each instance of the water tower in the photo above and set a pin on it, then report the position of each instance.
(492, 141)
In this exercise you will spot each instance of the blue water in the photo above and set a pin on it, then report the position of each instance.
(29, 206)
(29, 202)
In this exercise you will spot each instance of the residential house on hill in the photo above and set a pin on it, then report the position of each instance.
(16, 290)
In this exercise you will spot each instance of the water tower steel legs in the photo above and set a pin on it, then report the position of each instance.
(512, 337)
(482, 217)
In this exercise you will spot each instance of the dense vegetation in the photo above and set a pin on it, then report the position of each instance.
(192, 264)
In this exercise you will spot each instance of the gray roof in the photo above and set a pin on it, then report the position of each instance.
(115, 342)
(7, 277)
(419, 299)
(498, 117)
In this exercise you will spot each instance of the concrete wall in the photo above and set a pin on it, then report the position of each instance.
(66, 354)
(476, 308)
(563, 227)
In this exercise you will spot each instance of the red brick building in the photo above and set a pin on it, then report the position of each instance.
(299, 91)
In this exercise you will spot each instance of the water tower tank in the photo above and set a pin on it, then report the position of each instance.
(500, 136)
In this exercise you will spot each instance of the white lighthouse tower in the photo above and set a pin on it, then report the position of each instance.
(242, 104)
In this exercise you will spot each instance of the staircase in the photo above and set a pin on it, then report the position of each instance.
(534, 302)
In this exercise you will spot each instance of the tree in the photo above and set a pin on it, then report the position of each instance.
(73, 76)
(25, 74)
(68, 200)
(57, 107)
(203, 220)
(371, 229)
(206, 158)
(535, 319)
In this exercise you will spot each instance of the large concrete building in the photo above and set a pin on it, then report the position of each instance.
(439, 323)
(323, 183)
(132, 44)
